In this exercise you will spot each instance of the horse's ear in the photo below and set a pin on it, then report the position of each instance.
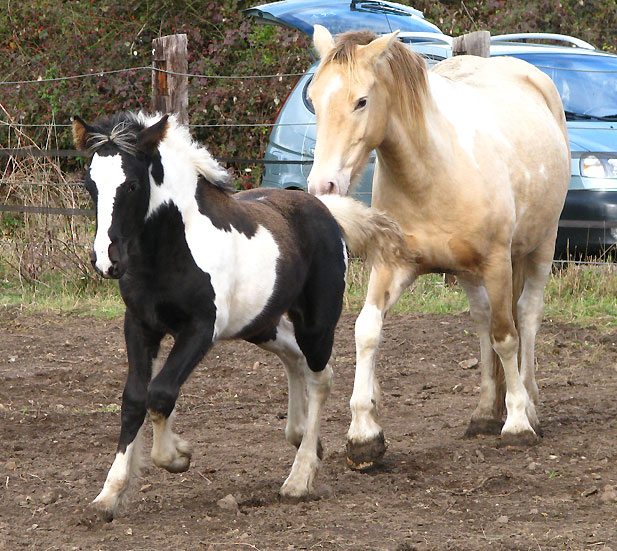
(375, 49)
(323, 41)
(149, 138)
(81, 132)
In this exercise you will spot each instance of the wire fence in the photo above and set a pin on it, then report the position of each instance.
(67, 153)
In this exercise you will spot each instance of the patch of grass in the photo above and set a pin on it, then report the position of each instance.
(429, 294)
(584, 294)
(58, 294)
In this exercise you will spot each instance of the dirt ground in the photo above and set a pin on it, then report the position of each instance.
(61, 379)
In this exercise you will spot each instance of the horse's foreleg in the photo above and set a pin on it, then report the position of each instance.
(487, 417)
(365, 439)
(169, 451)
(517, 429)
(141, 349)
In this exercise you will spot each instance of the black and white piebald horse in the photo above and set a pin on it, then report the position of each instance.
(200, 263)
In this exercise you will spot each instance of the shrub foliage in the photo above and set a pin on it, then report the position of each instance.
(43, 39)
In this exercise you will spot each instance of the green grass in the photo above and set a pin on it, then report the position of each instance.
(584, 294)
(581, 294)
(101, 299)
(429, 294)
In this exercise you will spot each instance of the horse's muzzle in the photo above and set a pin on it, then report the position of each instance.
(114, 271)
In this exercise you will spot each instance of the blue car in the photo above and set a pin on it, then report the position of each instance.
(587, 81)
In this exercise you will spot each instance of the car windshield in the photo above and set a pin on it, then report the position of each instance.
(587, 83)
(337, 19)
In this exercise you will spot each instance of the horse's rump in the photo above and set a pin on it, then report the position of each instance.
(509, 119)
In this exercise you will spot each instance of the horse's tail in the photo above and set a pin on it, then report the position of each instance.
(369, 233)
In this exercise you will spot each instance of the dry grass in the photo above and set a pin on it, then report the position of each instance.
(38, 248)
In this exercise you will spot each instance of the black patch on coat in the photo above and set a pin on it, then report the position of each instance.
(156, 168)
(224, 214)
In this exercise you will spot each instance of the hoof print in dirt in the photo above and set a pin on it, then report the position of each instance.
(520, 439)
(365, 455)
(477, 427)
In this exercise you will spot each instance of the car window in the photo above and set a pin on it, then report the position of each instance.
(587, 83)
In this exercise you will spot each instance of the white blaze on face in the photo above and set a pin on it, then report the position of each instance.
(327, 174)
(107, 174)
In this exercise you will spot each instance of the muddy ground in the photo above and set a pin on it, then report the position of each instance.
(61, 378)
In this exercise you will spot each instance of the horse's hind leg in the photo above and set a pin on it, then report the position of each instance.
(365, 439)
(487, 418)
(299, 483)
(537, 269)
(517, 429)
(284, 345)
(141, 349)
(303, 416)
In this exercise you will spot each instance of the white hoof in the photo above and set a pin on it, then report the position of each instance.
(299, 483)
(176, 458)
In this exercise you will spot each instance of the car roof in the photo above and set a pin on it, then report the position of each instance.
(342, 15)
(522, 43)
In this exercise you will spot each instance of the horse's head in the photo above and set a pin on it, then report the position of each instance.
(124, 159)
(351, 107)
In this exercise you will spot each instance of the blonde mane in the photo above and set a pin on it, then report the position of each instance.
(407, 80)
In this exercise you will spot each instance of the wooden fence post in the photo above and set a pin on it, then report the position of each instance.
(476, 43)
(170, 92)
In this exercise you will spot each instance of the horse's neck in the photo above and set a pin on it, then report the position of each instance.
(416, 154)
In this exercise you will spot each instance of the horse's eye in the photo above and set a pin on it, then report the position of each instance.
(131, 187)
(360, 104)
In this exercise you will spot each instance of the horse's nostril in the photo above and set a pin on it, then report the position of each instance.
(331, 188)
(113, 253)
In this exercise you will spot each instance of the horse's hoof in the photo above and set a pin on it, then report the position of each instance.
(292, 498)
(524, 438)
(362, 456)
(484, 426)
(96, 513)
(181, 460)
(294, 491)
(178, 465)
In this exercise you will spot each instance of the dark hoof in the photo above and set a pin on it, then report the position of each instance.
(520, 439)
(178, 467)
(363, 456)
(484, 426)
(93, 515)
(290, 499)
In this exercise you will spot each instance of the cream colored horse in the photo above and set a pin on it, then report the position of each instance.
(473, 162)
